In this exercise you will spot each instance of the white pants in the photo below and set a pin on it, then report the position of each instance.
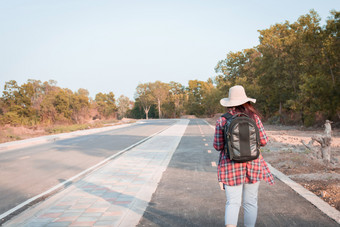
(248, 194)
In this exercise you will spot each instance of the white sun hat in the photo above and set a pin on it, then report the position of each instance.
(237, 97)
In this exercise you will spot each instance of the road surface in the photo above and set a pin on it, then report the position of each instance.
(27, 172)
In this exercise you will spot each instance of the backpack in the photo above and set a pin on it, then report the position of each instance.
(241, 137)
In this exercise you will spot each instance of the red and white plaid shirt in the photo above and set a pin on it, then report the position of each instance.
(233, 173)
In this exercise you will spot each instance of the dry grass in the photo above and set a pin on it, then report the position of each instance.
(9, 133)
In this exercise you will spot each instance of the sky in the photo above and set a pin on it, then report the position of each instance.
(112, 46)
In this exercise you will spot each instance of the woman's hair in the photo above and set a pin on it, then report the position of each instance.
(248, 109)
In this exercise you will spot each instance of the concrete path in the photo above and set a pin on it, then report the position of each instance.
(189, 195)
(36, 169)
(115, 195)
(142, 187)
(51, 138)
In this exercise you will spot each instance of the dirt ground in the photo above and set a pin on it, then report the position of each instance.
(286, 153)
(10, 133)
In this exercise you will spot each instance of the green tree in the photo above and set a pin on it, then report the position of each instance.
(159, 91)
(203, 97)
(123, 105)
(62, 104)
(331, 52)
(176, 99)
(144, 95)
(106, 104)
(47, 111)
(80, 105)
(18, 109)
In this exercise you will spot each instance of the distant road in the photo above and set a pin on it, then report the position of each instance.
(27, 172)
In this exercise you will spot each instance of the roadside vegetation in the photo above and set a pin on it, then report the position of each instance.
(293, 73)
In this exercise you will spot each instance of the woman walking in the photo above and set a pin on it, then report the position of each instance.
(240, 180)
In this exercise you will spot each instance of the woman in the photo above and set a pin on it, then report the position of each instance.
(240, 180)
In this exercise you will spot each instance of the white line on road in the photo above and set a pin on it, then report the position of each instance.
(68, 181)
(209, 124)
(25, 157)
(10, 146)
(311, 197)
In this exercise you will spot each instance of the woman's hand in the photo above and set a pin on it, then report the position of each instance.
(221, 186)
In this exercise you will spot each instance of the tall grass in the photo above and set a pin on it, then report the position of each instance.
(70, 128)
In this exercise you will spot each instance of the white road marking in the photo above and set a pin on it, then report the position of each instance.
(61, 185)
(310, 196)
(24, 157)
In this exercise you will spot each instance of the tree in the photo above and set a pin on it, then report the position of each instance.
(331, 52)
(80, 105)
(238, 69)
(143, 93)
(106, 104)
(17, 108)
(176, 96)
(123, 105)
(203, 97)
(293, 70)
(47, 111)
(159, 92)
(61, 104)
(211, 99)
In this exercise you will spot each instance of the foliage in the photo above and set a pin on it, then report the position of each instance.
(159, 92)
(293, 73)
(294, 70)
(106, 104)
(70, 128)
(144, 95)
(123, 105)
(35, 103)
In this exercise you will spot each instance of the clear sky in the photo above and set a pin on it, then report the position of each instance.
(105, 46)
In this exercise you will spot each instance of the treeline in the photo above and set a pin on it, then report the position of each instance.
(293, 73)
(36, 103)
(172, 100)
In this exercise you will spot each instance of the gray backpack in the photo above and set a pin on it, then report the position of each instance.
(241, 137)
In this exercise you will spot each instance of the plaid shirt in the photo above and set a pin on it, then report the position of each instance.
(232, 173)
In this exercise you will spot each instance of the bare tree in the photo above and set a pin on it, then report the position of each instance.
(325, 142)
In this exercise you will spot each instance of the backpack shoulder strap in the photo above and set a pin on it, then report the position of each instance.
(240, 115)
(227, 115)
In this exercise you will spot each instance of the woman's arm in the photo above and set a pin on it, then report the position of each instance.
(263, 135)
(218, 138)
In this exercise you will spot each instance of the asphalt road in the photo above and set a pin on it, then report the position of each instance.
(188, 193)
(27, 172)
